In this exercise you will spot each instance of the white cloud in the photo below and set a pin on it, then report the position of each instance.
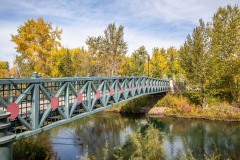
(7, 51)
(152, 23)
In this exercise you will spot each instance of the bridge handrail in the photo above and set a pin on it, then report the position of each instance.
(42, 80)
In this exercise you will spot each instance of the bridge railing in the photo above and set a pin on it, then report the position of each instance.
(38, 104)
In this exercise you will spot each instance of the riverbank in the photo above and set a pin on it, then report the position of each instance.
(181, 107)
(178, 107)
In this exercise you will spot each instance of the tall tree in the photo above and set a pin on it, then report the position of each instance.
(82, 61)
(138, 60)
(158, 63)
(195, 59)
(174, 68)
(110, 48)
(125, 69)
(35, 41)
(225, 47)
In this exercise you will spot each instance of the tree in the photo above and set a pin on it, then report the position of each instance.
(62, 63)
(225, 47)
(174, 68)
(110, 48)
(66, 66)
(195, 59)
(14, 72)
(35, 41)
(137, 61)
(82, 61)
(125, 67)
(4, 69)
(158, 63)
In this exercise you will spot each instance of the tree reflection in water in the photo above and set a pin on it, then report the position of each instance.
(202, 137)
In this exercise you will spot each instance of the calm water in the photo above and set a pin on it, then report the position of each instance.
(90, 135)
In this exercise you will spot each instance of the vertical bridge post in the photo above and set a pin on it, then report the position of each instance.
(5, 140)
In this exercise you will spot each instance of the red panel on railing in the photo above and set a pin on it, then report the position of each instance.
(111, 91)
(122, 89)
(98, 94)
(13, 108)
(54, 103)
(79, 98)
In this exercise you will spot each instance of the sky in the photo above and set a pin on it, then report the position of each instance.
(152, 23)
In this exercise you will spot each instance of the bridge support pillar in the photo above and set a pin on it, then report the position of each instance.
(5, 139)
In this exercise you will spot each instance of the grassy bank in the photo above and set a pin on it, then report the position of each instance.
(181, 106)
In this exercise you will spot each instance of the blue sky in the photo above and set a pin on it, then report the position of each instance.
(152, 23)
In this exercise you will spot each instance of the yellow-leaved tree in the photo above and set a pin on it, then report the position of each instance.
(4, 69)
(158, 66)
(35, 41)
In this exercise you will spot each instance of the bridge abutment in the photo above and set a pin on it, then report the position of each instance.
(6, 140)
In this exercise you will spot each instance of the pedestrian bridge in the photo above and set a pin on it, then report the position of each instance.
(37, 104)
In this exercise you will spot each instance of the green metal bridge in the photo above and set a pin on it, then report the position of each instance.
(30, 106)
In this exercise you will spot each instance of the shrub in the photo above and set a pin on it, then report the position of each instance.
(173, 101)
(147, 145)
(32, 149)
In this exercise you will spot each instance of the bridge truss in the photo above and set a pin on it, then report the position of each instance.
(37, 104)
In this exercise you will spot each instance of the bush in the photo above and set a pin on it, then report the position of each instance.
(193, 96)
(147, 145)
(32, 149)
(173, 101)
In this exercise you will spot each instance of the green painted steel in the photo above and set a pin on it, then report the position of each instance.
(44, 103)
(5, 139)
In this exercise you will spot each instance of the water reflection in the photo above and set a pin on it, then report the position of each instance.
(200, 136)
(91, 133)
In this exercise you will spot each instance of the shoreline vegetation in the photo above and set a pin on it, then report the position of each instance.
(179, 106)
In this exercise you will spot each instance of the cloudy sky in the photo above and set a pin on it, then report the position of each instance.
(152, 23)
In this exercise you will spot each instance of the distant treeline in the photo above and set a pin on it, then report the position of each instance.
(208, 62)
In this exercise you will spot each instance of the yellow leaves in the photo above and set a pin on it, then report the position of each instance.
(4, 69)
(35, 40)
(158, 64)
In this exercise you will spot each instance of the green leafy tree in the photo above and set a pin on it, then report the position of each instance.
(174, 67)
(67, 65)
(138, 60)
(81, 61)
(110, 48)
(35, 41)
(195, 59)
(225, 47)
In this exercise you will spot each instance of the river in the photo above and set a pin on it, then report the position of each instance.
(89, 135)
